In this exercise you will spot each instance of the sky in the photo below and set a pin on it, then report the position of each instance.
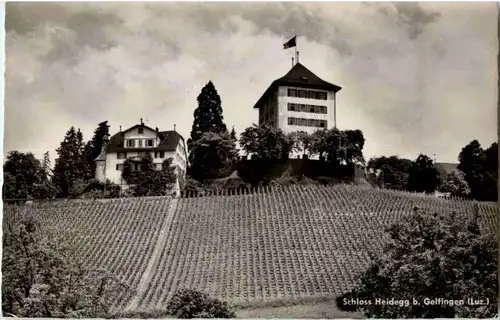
(415, 77)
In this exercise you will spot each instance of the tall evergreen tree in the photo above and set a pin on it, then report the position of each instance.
(233, 134)
(70, 165)
(93, 149)
(208, 116)
(47, 167)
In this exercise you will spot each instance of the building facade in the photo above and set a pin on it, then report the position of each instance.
(299, 101)
(135, 143)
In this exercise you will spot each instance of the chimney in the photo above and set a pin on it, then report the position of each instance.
(298, 57)
(157, 129)
(174, 126)
(141, 122)
(120, 128)
(292, 62)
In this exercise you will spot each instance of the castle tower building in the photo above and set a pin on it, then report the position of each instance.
(299, 101)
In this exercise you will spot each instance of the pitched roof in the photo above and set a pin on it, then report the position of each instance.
(168, 142)
(302, 77)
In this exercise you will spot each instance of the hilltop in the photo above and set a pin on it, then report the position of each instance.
(250, 248)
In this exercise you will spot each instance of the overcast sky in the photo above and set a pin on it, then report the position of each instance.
(415, 78)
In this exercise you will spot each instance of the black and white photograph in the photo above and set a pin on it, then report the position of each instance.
(300, 160)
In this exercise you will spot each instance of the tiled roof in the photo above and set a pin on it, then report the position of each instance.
(168, 142)
(299, 76)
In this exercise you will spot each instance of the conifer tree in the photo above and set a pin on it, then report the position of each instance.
(70, 165)
(208, 116)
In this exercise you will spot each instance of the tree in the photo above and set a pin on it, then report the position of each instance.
(233, 135)
(208, 116)
(265, 142)
(430, 256)
(319, 143)
(471, 163)
(145, 180)
(490, 181)
(423, 175)
(41, 277)
(22, 172)
(47, 167)
(455, 184)
(481, 170)
(70, 165)
(395, 171)
(212, 156)
(300, 141)
(93, 149)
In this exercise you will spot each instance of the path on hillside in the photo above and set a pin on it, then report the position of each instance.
(155, 257)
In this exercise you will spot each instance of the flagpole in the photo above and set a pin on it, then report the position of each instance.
(296, 44)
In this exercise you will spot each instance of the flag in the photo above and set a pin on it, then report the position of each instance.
(290, 43)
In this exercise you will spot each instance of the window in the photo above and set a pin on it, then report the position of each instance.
(141, 130)
(150, 142)
(306, 108)
(122, 155)
(130, 143)
(119, 167)
(162, 154)
(307, 122)
(142, 154)
(308, 94)
(140, 143)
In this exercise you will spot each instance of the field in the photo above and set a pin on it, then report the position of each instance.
(251, 248)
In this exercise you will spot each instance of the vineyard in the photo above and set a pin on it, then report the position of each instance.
(274, 243)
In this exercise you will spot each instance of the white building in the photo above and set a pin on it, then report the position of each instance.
(134, 143)
(299, 101)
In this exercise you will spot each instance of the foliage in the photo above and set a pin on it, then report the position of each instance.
(145, 180)
(70, 165)
(423, 175)
(42, 278)
(212, 156)
(455, 184)
(433, 256)
(319, 144)
(300, 141)
(394, 169)
(93, 149)
(94, 189)
(338, 147)
(24, 176)
(188, 303)
(265, 142)
(47, 167)
(208, 116)
(481, 170)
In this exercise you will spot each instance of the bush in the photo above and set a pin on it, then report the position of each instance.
(430, 256)
(188, 303)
